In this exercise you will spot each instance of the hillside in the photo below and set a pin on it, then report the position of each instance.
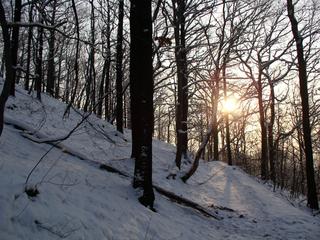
(78, 200)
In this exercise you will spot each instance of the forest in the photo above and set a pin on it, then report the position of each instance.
(236, 81)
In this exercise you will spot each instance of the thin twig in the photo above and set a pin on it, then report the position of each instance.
(43, 156)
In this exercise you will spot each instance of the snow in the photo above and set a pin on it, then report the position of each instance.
(77, 200)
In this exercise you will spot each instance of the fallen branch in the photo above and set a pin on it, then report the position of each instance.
(112, 170)
(186, 202)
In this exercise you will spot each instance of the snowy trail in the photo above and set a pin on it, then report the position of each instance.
(262, 209)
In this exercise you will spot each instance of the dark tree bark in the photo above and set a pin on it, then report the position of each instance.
(303, 82)
(141, 89)
(101, 91)
(92, 61)
(107, 87)
(30, 35)
(181, 62)
(226, 117)
(51, 77)
(90, 82)
(106, 50)
(38, 70)
(66, 95)
(105, 77)
(263, 127)
(270, 134)
(9, 77)
(2, 65)
(15, 42)
(76, 63)
(119, 77)
(107, 65)
(58, 81)
(215, 100)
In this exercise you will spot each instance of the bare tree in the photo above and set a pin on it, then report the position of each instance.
(303, 81)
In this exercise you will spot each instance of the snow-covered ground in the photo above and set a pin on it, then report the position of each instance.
(77, 200)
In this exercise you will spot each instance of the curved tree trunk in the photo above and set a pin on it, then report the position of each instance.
(195, 164)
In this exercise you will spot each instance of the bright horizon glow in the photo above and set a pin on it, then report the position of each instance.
(229, 105)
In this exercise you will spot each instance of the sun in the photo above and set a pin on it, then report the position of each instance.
(229, 105)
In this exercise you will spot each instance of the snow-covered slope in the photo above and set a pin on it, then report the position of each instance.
(77, 200)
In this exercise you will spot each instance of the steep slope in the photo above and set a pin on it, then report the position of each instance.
(77, 200)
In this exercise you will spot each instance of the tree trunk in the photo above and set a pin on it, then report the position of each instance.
(101, 91)
(226, 117)
(9, 77)
(215, 132)
(303, 82)
(76, 63)
(15, 42)
(107, 87)
(67, 88)
(57, 84)
(38, 70)
(30, 35)
(108, 64)
(262, 121)
(141, 89)
(104, 83)
(270, 134)
(51, 43)
(2, 65)
(119, 77)
(201, 149)
(90, 82)
(182, 101)
(92, 61)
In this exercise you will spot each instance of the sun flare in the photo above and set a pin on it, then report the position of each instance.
(229, 105)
